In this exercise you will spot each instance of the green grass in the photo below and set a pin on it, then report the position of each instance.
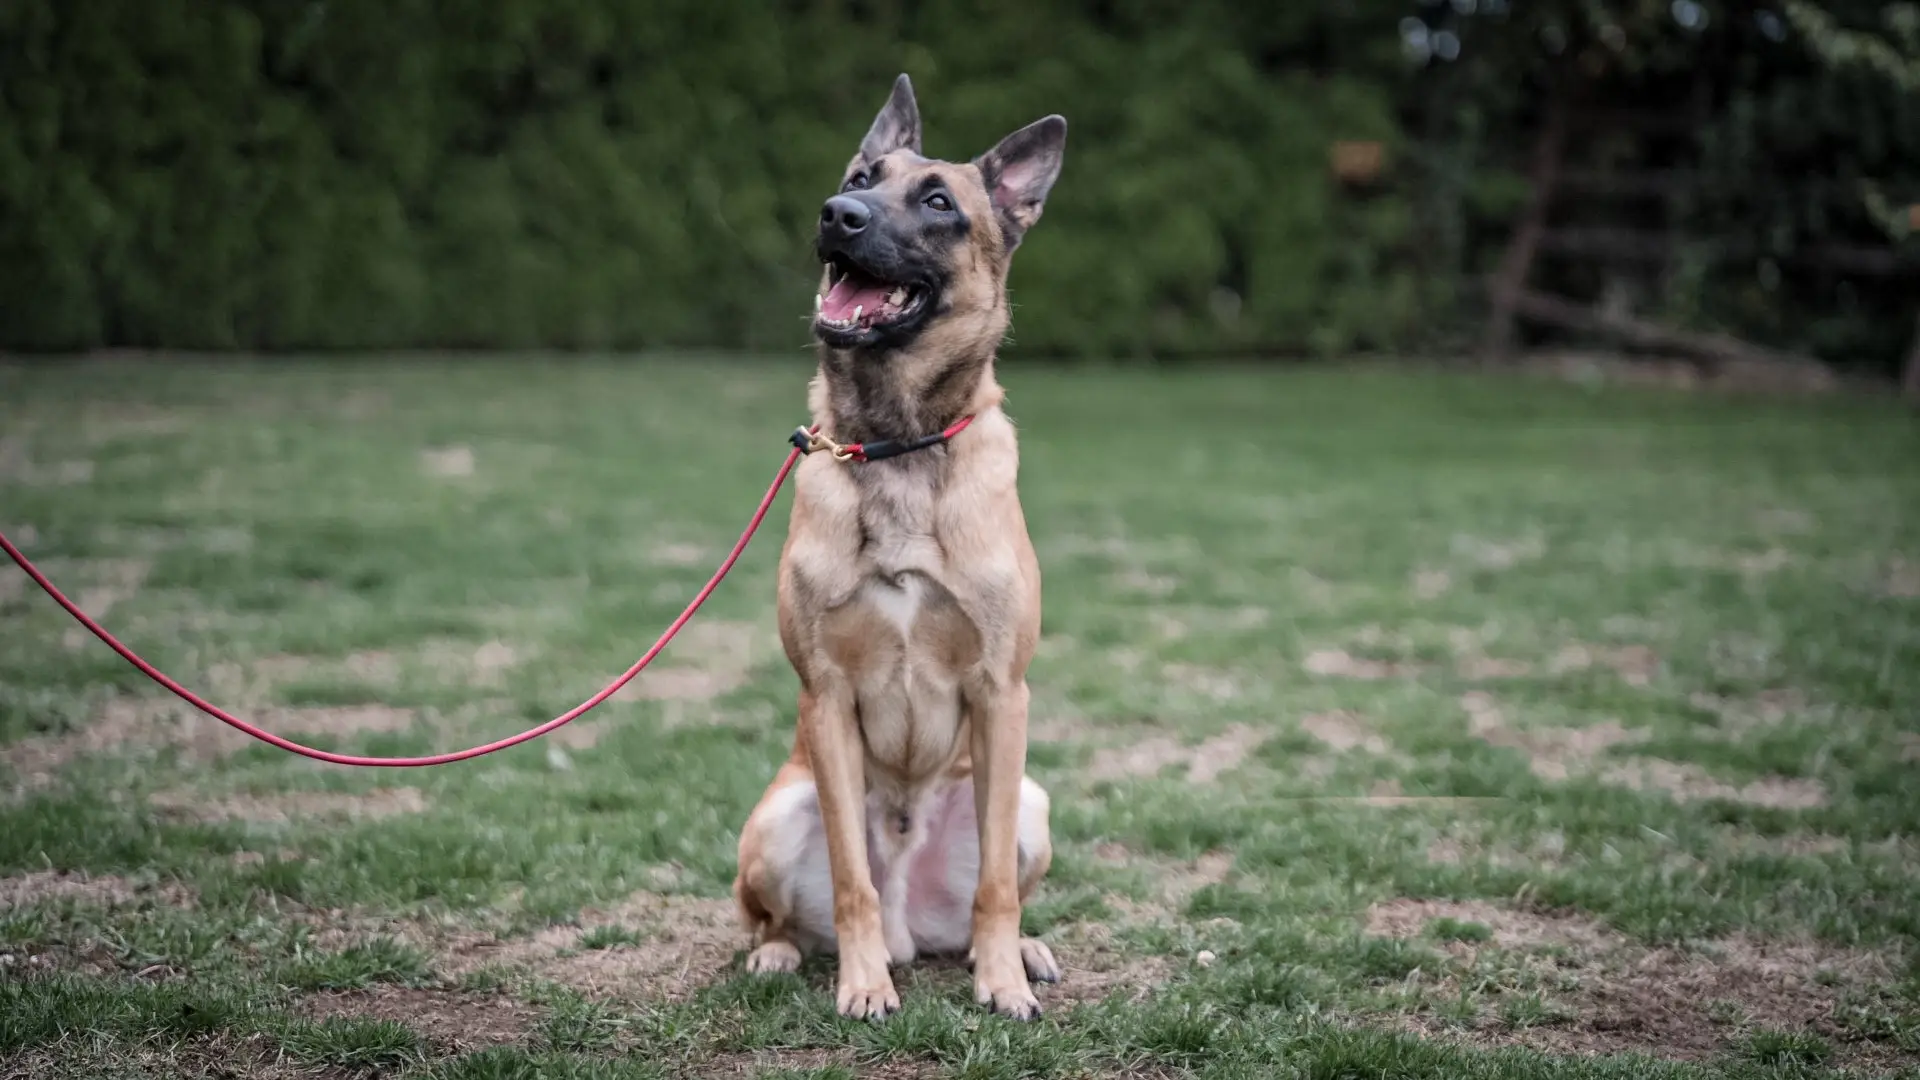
(1389, 649)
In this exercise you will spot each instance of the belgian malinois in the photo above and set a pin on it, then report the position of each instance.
(903, 822)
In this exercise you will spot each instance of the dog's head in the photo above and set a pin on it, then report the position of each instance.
(916, 250)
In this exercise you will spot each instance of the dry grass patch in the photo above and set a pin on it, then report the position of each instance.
(1342, 732)
(120, 725)
(103, 890)
(447, 462)
(688, 942)
(453, 1022)
(143, 726)
(1687, 782)
(1338, 663)
(1616, 995)
(1557, 754)
(1756, 712)
(711, 658)
(1901, 579)
(1205, 762)
(351, 806)
(1635, 664)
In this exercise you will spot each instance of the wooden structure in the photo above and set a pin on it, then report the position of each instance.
(1556, 172)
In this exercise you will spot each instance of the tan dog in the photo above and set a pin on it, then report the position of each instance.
(903, 823)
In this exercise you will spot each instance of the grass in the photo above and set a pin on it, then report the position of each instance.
(1396, 724)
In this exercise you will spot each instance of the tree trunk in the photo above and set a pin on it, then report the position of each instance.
(1707, 351)
(1510, 280)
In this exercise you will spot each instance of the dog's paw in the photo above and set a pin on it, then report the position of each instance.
(1039, 961)
(774, 957)
(1013, 1000)
(869, 1002)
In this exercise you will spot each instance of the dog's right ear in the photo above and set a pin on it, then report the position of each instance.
(897, 126)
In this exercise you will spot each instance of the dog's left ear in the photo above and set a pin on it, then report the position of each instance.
(897, 126)
(1021, 170)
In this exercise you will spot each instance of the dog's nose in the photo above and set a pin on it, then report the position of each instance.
(843, 216)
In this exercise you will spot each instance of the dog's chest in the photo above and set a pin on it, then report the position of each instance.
(897, 599)
(918, 640)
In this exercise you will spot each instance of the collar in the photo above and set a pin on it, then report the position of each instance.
(808, 439)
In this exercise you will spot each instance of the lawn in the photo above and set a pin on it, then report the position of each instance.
(1397, 724)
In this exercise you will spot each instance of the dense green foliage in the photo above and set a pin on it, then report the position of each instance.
(1772, 149)
(278, 175)
(436, 173)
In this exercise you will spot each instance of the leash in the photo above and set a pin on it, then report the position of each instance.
(805, 440)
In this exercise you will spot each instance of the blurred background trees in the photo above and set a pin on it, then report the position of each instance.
(1276, 180)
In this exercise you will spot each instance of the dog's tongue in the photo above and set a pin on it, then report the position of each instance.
(853, 291)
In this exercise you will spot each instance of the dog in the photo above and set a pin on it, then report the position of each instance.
(903, 823)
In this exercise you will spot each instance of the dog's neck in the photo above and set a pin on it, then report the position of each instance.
(861, 397)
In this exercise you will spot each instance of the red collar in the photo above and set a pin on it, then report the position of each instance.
(809, 439)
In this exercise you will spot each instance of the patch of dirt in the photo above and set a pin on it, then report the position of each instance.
(688, 943)
(1635, 664)
(447, 461)
(351, 806)
(712, 657)
(1909, 746)
(148, 725)
(1744, 715)
(1343, 731)
(221, 1054)
(1552, 753)
(1093, 967)
(1499, 554)
(1207, 682)
(1512, 929)
(1173, 882)
(1741, 842)
(17, 464)
(1431, 584)
(106, 890)
(1338, 663)
(453, 1022)
(681, 555)
(98, 586)
(342, 719)
(1205, 762)
(1480, 668)
(1687, 782)
(1557, 753)
(1139, 581)
(1901, 580)
(121, 724)
(1688, 1004)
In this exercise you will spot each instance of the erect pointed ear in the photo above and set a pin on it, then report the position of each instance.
(897, 126)
(1021, 170)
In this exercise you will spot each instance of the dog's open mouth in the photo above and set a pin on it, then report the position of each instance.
(856, 300)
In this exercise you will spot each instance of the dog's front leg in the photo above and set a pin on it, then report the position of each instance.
(839, 771)
(999, 745)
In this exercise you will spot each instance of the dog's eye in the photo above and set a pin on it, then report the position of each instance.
(940, 203)
(858, 181)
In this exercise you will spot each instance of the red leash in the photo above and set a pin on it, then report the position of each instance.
(805, 440)
(198, 702)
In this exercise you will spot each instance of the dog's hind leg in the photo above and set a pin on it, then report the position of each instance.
(1036, 855)
(782, 888)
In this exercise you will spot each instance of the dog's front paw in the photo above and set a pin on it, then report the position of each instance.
(869, 1001)
(1013, 999)
(1039, 961)
(865, 986)
(773, 957)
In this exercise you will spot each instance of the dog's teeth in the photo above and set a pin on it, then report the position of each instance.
(857, 309)
(817, 301)
(897, 297)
